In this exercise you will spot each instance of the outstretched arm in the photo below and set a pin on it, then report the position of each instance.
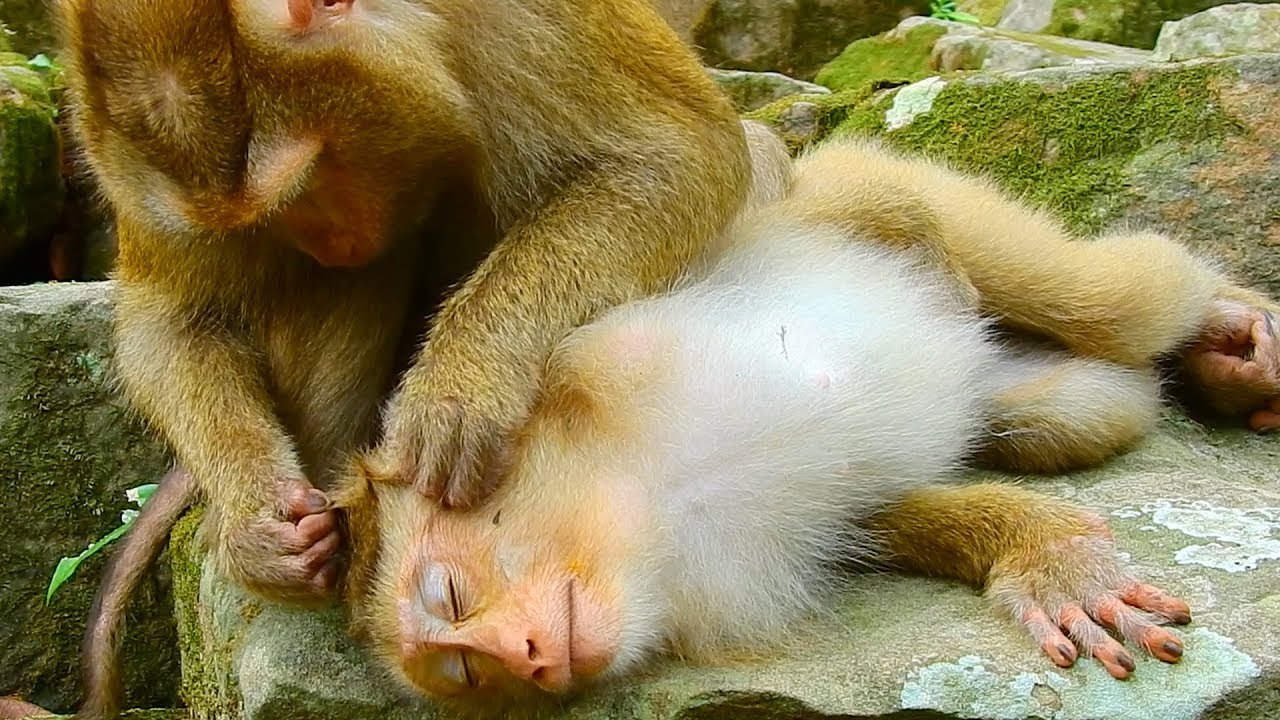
(1049, 563)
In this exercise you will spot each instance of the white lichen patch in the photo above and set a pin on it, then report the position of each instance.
(976, 687)
(912, 100)
(1244, 538)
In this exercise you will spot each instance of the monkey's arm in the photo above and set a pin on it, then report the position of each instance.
(203, 388)
(613, 235)
(1048, 562)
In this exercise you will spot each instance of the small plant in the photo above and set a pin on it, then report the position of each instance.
(946, 10)
(67, 565)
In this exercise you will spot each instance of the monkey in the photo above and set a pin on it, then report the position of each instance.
(701, 463)
(298, 185)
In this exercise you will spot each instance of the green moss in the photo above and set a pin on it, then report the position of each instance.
(1066, 147)
(833, 110)
(31, 23)
(794, 38)
(201, 688)
(882, 58)
(988, 12)
(1135, 23)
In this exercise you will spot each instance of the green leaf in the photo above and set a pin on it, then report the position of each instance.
(144, 493)
(40, 62)
(67, 566)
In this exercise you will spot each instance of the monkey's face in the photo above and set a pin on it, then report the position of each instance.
(547, 588)
(320, 125)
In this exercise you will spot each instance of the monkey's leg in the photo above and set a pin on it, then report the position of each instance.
(1049, 563)
(1127, 298)
(1053, 411)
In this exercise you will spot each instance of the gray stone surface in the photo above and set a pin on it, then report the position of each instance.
(1221, 31)
(790, 36)
(751, 90)
(68, 451)
(1197, 512)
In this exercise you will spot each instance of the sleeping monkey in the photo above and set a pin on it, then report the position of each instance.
(702, 464)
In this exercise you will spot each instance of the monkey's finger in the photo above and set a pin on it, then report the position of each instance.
(475, 472)
(301, 500)
(1154, 600)
(314, 527)
(1096, 642)
(320, 553)
(327, 578)
(1136, 628)
(1052, 642)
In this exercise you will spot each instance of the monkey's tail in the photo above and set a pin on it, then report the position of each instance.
(1054, 411)
(129, 564)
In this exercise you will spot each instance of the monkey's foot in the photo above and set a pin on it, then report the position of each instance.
(1235, 364)
(293, 557)
(1071, 592)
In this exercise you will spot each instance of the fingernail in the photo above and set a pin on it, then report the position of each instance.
(316, 502)
(1125, 661)
(1181, 618)
(1173, 649)
(1066, 652)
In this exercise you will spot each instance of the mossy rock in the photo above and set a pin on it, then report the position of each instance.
(69, 448)
(31, 25)
(1134, 23)
(1186, 147)
(31, 187)
(793, 37)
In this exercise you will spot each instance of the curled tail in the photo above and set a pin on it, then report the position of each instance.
(1053, 411)
(130, 563)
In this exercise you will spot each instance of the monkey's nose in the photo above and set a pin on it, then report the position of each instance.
(537, 658)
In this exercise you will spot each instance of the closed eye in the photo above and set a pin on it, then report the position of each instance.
(453, 601)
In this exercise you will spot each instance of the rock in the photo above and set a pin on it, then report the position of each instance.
(69, 449)
(1192, 148)
(794, 37)
(751, 90)
(31, 188)
(1133, 23)
(1198, 512)
(920, 46)
(1221, 31)
(31, 26)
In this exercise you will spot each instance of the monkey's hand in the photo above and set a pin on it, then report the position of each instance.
(291, 554)
(447, 429)
(1068, 591)
(1235, 363)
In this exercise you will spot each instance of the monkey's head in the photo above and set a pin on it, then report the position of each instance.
(552, 585)
(314, 122)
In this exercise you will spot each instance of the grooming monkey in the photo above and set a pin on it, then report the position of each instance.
(296, 183)
(701, 464)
